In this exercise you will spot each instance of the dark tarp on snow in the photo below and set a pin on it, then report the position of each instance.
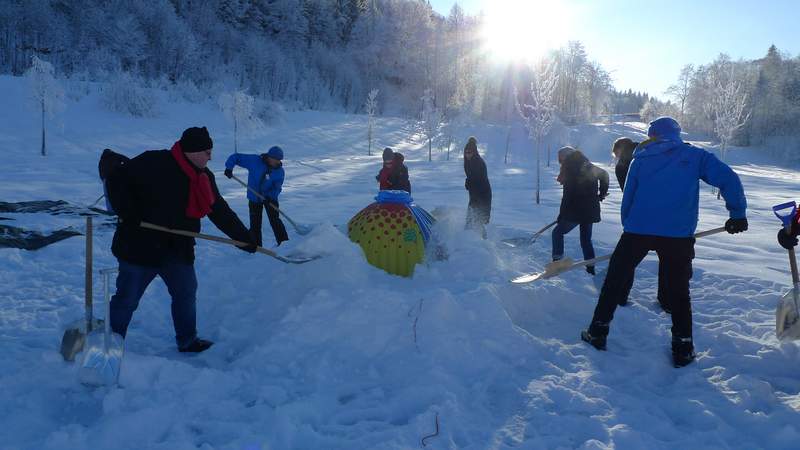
(15, 237)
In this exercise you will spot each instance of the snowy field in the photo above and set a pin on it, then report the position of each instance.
(336, 354)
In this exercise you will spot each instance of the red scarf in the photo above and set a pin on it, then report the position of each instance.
(201, 197)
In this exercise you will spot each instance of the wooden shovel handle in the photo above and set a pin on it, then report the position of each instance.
(207, 237)
(88, 275)
(271, 205)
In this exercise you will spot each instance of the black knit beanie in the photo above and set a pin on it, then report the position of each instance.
(195, 140)
(388, 154)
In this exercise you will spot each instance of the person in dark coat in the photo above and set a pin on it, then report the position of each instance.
(398, 176)
(265, 174)
(477, 184)
(659, 212)
(585, 186)
(172, 188)
(386, 170)
(623, 152)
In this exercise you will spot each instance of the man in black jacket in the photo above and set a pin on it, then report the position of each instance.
(172, 188)
(585, 186)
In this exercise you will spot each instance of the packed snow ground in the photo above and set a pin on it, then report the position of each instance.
(338, 354)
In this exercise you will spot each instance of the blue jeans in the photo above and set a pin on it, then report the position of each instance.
(563, 227)
(181, 282)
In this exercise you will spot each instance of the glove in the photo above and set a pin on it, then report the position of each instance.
(602, 196)
(229, 173)
(734, 226)
(787, 241)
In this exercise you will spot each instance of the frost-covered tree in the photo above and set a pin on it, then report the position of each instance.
(431, 119)
(46, 91)
(371, 107)
(539, 113)
(681, 89)
(728, 108)
(238, 107)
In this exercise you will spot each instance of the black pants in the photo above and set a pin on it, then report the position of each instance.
(274, 221)
(675, 271)
(479, 211)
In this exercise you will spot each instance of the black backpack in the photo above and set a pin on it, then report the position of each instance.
(109, 162)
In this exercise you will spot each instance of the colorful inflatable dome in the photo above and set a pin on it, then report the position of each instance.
(392, 232)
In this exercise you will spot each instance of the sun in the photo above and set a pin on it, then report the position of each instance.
(524, 30)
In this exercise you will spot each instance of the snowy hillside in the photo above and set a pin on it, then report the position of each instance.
(336, 354)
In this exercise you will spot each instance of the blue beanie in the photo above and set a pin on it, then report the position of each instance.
(275, 152)
(664, 128)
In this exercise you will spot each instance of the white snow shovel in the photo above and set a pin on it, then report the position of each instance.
(75, 335)
(102, 357)
(567, 264)
(787, 314)
(302, 230)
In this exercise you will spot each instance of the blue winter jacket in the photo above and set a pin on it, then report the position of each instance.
(662, 190)
(266, 180)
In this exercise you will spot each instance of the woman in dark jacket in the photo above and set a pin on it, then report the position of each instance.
(398, 177)
(477, 184)
(585, 186)
(623, 152)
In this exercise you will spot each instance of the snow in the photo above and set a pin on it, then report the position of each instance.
(338, 354)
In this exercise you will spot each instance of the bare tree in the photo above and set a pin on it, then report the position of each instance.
(539, 113)
(681, 89)
(728, 108)
(431, 119)
(46, 91)
(238, 107)
(371, 106)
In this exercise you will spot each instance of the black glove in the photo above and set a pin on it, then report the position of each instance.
(229, 173)
(734, 226)
(787, 241)
(602, 196)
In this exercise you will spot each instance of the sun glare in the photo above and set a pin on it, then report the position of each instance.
(524, 30)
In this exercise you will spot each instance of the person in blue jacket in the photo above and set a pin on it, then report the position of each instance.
(659, 212)
(265, 175)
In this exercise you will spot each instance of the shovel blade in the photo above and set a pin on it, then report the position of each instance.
(550, 270)
(787, 317)
(75, 337)
(101, 365)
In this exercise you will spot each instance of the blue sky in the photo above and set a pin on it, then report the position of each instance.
(645, 44)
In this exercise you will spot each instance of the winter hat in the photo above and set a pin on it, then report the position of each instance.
(275, 152)
(665, 128)
(195, 140)
(388, 154)
(472, 144)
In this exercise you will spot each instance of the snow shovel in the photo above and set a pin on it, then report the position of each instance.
(102, 357)
(787, 314)
(75, 335)
(208, 237)
(302, 230)
(564, 265)
(515, 242)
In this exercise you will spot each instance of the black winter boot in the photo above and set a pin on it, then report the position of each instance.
(197, 346)
(590, 270)
(596, 334)
(682, 351)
